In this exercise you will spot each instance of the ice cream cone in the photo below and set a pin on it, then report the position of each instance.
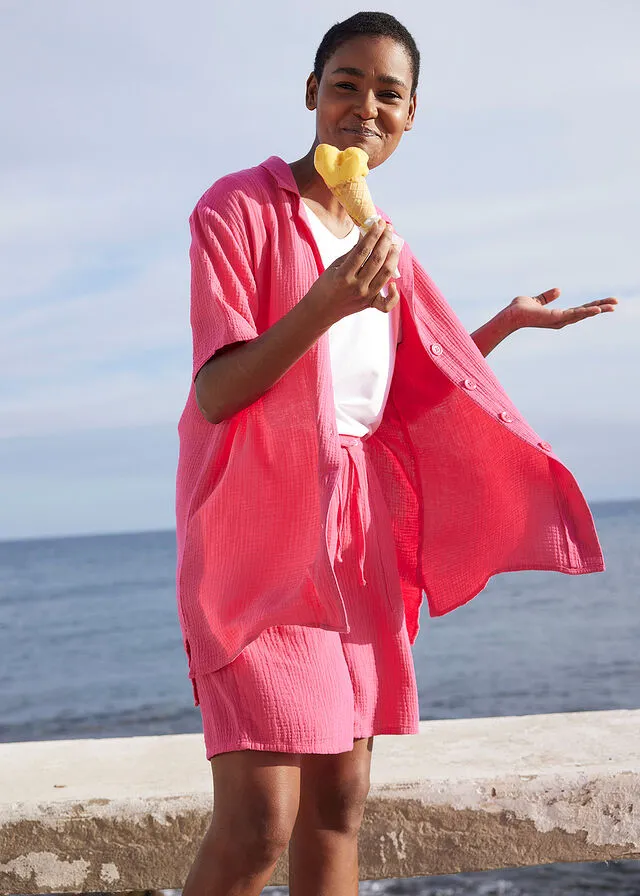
(344, 172)
(354, 195)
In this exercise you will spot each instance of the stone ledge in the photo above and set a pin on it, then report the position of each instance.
(463, 795)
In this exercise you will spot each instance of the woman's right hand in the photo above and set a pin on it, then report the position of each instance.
(353, 282)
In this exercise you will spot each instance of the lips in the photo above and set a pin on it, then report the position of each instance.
(360, 132)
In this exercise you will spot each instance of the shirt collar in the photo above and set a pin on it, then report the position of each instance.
(282, 173)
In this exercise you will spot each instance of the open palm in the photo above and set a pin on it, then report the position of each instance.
(534, 311)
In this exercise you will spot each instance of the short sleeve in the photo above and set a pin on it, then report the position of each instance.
(223, 287)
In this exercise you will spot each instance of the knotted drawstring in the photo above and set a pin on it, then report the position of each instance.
(364, 517)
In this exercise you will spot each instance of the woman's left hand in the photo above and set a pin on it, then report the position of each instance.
(534, 311)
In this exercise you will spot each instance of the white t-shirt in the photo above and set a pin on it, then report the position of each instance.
(362, 347)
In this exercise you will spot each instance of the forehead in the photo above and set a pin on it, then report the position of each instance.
(374, 55)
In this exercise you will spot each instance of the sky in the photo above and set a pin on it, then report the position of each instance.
(520, 174)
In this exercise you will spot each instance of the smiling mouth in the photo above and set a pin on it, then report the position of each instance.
(360, 133)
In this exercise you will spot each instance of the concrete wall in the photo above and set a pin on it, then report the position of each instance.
(463, 795)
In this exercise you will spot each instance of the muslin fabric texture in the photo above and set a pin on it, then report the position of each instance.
(300, 689)
(472, 490)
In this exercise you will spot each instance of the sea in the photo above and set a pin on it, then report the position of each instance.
(90, 647)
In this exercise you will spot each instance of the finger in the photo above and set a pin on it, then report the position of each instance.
(601, 303)
(363, 248)
(548, 296)
(376, 259)
(586, 310)
(386, 272)
(389, 302)
(393, 298)
(573, 315)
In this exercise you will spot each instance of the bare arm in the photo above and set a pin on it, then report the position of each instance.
(494, 331)
(534, 311)
(240, 373)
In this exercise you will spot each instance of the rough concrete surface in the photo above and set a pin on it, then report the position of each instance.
(463, 795)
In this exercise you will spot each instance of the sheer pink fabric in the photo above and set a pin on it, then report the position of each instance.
(471, 488)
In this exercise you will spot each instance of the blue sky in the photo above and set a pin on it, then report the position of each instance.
(520, 174)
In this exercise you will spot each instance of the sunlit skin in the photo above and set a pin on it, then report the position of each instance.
(344, 101)
(533, 311)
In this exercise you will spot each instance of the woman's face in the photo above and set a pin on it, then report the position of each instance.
(359, 100)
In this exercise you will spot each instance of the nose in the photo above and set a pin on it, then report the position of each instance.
(368, 107)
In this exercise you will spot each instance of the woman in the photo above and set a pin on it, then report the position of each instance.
(341, 453)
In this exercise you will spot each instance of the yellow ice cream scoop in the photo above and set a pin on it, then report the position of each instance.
(336, 167)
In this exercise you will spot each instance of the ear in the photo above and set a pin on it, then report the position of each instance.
(311, 93)
(413, 102)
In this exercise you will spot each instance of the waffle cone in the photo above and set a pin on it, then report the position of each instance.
(354, 195)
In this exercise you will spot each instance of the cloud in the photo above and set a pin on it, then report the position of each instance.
(520, 174)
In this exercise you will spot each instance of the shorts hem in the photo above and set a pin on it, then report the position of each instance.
(282, 748)
(389, 730)
(308, 748)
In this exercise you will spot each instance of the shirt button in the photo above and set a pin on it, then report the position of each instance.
(505, 416)
(436, 348)
(545, 446)
(470, 383)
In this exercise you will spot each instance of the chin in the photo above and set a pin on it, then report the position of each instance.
(375, 160)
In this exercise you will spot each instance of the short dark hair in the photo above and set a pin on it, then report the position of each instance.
(371, 24)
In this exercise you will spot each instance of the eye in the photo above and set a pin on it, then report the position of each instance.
(388, 93)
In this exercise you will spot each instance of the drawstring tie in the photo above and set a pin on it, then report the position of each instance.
(364, 516)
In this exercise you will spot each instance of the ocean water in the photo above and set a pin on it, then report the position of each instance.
(90, 646)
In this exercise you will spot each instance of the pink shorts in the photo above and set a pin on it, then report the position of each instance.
(299, 689)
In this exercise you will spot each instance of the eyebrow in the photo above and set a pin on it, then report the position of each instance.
(358, 73)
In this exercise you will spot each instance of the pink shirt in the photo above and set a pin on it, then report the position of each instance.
(471, 488)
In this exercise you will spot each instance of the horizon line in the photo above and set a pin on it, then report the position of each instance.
(69, 535)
